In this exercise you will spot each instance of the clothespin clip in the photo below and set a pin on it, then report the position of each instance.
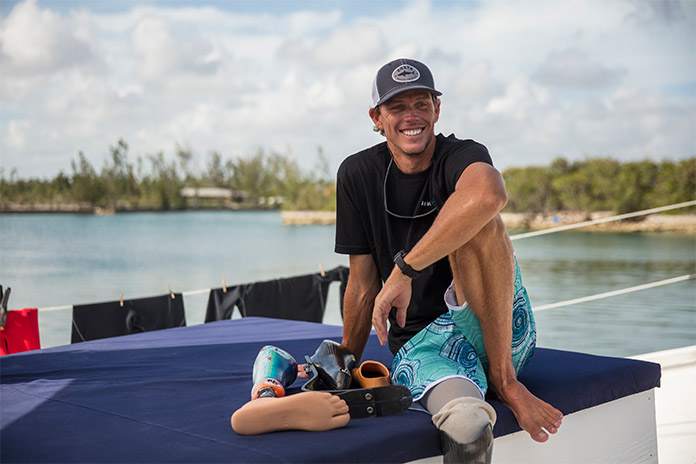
(171, 292)
(224, 285)
(3, 307)
(321, 269)
(121, 300)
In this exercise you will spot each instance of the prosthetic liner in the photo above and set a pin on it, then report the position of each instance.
(274, 370)
(329, 368)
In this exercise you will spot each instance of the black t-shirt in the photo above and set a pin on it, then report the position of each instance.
(367, 224)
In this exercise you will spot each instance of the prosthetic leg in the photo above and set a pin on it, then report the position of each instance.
(274, 370)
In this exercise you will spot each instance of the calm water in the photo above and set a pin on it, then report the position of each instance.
(55, 260)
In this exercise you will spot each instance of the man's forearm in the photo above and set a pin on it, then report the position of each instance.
(478, 198)
(363, 286)
(357, 322)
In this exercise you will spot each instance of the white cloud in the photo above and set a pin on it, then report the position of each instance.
(570, 78)
(16, 134)
(574, 69)
(350, 45)
(476, 83)
(160, 52)
(38, 41)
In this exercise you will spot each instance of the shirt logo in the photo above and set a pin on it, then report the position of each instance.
(405, 73)
(427, 204)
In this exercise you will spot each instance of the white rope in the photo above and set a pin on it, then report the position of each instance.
(55, 308)
(603, 220)
(615, 292)
(187, 293)
(196, 292)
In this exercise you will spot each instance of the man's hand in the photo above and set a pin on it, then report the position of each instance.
(396, 293)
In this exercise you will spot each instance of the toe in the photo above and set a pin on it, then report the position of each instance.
(540, 436)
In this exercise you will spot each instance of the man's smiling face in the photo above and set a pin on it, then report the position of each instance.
(408, 121)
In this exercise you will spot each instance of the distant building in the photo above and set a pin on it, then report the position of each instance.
(212, 195)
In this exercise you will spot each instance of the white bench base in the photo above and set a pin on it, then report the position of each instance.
(621, 431)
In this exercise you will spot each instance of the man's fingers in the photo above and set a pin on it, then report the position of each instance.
(401, 316)
(379, 321)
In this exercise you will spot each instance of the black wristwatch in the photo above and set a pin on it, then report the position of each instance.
(405, 268)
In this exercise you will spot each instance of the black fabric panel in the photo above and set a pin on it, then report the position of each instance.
(301, 298)
(221, 304)
(104, 320)
(296, 298)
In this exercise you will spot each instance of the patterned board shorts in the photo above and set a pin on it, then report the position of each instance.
(452, 346)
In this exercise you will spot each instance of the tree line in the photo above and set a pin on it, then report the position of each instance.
(153, 182)
(600, 184)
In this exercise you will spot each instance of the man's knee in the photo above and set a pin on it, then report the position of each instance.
(492, 233)
(491, 238)
(485, 262)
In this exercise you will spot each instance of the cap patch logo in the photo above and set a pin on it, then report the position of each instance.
(405, 73)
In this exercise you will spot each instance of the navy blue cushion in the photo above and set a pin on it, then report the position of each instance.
(167, 396)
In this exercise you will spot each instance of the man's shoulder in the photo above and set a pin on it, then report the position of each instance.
(452, 143)
(363, 160)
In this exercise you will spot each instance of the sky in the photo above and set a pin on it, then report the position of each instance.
(532, 80)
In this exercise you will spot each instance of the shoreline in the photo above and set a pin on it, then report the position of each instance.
(674, 223)
(682, 224)
(83, 208)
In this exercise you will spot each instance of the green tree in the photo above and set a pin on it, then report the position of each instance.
(251, 175)
(530, 189)
(87, 186)
(119, 177)
(165, 183)
(216, 175)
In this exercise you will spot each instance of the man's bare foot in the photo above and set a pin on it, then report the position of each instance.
(312, 411)
(533, 414)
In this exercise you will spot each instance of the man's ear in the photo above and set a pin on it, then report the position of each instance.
(376, 117)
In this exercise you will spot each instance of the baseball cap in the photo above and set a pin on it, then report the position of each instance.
(399, 76)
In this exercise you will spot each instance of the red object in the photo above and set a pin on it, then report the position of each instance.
(21, 332)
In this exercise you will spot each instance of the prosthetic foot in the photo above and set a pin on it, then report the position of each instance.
(274, 370)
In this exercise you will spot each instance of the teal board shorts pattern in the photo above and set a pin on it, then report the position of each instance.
(452, 345)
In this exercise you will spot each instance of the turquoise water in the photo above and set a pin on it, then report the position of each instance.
(63, 259)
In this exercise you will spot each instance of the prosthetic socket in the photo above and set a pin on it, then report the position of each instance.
(274, 370)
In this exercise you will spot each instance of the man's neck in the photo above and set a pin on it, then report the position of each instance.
(414, 163)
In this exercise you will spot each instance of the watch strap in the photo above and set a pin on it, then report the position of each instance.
(405, 268)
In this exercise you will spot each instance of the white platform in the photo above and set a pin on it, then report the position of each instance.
(675, 405)
(621, 431)
(656, 425)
